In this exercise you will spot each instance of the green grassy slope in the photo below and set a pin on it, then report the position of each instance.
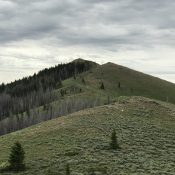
(132, 83)
(80, 95)
(145, 130)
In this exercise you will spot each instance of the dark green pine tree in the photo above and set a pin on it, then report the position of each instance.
(83, 81)
(67, 169)
(102, 86)
(119, 85)
(114, 143)
(16, 158)
(59, 84)
(62, 93)
(28, 112)
(92, 173)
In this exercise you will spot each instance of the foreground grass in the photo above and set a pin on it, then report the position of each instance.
(145, 130)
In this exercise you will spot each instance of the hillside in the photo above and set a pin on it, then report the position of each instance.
(79, 89)
(119, 80)
(33, 91)
(145, 131)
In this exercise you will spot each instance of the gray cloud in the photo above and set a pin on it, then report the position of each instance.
(70, 20)
(75, 21)
(108, 25)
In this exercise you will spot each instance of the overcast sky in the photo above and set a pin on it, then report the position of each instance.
(35, 34)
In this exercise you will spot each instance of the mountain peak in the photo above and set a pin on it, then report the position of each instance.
(110, 63)
(79, 60)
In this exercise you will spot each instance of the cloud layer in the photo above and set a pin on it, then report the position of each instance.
(40, 33)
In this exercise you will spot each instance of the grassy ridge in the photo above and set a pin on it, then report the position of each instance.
(131, 82)
(145, 130)
(83, 91)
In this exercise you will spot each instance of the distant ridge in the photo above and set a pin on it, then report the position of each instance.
(67, 88)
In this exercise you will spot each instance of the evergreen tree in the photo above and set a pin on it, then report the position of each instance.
(16, 158)
(114, 142)
(102, 86)
(44, 107)
(67, 169)
(92, 173)
(62, 93)
(109, 99)
(2, 87)
(59, 84)
(28, 112)
(83, 81)
(119, 85)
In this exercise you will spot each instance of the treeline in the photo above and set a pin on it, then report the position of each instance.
(33, 91)
(47, 112)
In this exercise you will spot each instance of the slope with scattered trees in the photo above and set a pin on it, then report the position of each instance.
(80, 143)
(33, 91)
(77, 85)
